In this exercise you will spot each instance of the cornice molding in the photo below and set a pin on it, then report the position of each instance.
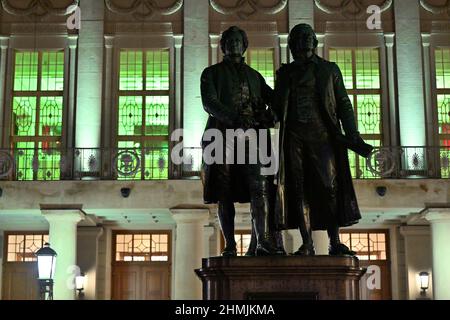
(144, 9)
(39, 8)
(253, 5)
(343, 8)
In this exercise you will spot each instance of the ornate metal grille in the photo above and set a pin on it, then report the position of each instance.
(143, 114)
(37, 113)
(21, 247)
(142, 247)
(361, 72)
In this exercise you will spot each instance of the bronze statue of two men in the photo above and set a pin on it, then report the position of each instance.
(313, 188)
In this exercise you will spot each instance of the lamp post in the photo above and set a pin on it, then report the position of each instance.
(79, 285)
(424, 282)
(46, 257)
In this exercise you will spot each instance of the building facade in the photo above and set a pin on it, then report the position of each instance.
(91, 92)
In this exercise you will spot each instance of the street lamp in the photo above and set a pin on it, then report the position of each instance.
(46, 257)
(79, 284)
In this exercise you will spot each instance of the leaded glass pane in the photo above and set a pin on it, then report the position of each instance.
(52, 71)
(344, 59)
(369, 114)
(262, 60)
(22, 247)
(443, 105)
(131, 70)
(24, 116)
(157, 70)
(129, 160)
(26, 71)
(51, 113)
(24, 159)
(130, 115)
(156, 165)
(442, 57)
(157, 116)
(49, 161)
(358, 164)
(367, 69)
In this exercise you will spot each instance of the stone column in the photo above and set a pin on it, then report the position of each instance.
(208, 232)
(296, 239)
(214, 43)
(189, 250)
(301, 11)
(440, 238)
(90, 76)
(320, 239)
(410, 74)
(428, 94)
(63, 239)
(109, 49)
(4, 42)
(417, 257)
(196, 52)
(284, 54)
(72, 45)
(320, 45)
(87, 257)
(389, 39)
(178, 43)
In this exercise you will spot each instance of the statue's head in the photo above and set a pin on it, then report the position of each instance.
(234, 42)
(302, 41)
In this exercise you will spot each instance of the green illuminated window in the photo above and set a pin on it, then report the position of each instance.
(262, 60)
(361, 72)
(37, 113)
(442, 57)
(143, 115)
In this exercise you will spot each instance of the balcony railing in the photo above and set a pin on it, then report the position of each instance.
(158, 164)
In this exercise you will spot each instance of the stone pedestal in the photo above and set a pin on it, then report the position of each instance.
(280, 278)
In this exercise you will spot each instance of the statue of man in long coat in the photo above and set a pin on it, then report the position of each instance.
(314, 176)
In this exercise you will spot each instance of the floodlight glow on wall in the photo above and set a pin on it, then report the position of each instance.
(46, 258)
(424, 282)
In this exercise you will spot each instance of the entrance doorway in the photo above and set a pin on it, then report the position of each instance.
(20, 272)
(141, 266)
(372, 250)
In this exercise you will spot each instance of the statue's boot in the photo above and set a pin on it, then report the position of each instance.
(307, 248)
(336, 247)
(260, 215)
(251, 251)
(279, 244)
(226, 215)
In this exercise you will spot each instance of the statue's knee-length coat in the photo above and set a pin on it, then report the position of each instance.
(336, 108)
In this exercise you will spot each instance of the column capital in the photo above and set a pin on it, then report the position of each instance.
(109, 41)
(283, 37)
(72, 41)
(56, 213)
(189, 215)
(437, 215)
(178, 40)
(4, 42)
(214, 40)
(389, 39)
(320, 39)
(426, 39)
(414, 231)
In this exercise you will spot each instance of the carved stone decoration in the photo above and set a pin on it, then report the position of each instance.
(345, 8)
(39, 8)
(436, 9)
(144, 8)
(245, 8)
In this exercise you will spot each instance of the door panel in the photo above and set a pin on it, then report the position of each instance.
(20, 281)
(156, 283)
